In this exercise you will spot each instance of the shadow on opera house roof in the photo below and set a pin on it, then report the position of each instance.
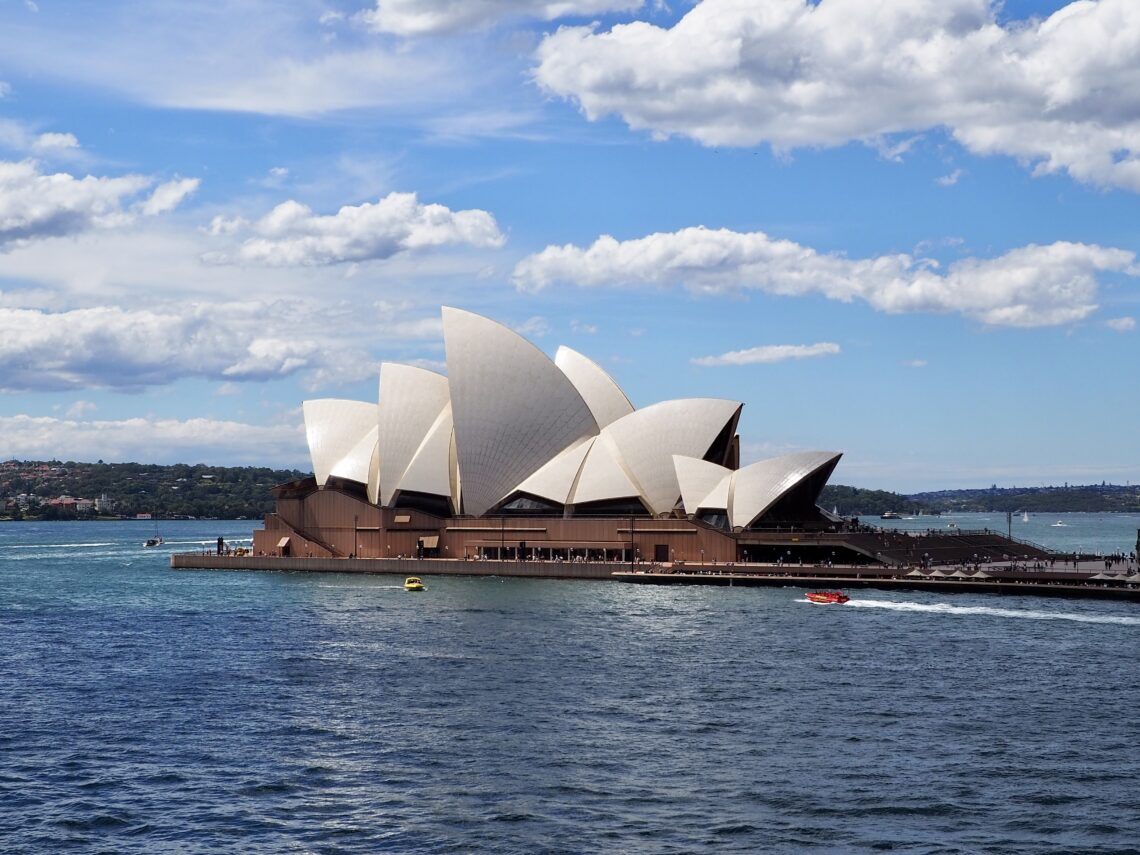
(510, 431)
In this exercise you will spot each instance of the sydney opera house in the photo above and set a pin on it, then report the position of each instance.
(515, 456)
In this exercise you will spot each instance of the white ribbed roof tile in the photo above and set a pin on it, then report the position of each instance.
(334, 428)
(647, 439)
(602, 395)
(514, 409)
(759, 486)
(411, 400)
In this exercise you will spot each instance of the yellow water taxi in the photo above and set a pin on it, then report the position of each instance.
(413, 583)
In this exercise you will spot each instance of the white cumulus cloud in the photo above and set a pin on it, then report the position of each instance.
(768, 353)
(155, 440)
(1125, 324)
(423, 17)
(292, 234)
(1026, 287)
(38, 205)
(1060, 93)
(55, 142)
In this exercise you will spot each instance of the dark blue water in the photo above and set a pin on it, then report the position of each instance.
(148, 710)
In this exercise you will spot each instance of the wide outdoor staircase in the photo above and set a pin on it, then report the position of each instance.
(957, 547)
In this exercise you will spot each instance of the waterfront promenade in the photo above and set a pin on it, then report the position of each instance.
(1084, 578)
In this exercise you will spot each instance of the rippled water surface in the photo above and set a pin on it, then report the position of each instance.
(148, 710)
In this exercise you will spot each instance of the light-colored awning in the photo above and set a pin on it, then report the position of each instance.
(430, 541)
(282, 543)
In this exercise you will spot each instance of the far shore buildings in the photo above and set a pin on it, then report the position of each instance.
(516, 456)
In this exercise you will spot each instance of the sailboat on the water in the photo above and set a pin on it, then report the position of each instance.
(154, 541)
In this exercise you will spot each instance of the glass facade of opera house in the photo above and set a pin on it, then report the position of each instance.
(513, 455)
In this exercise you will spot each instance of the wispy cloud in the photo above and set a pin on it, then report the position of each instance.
(767, 354)
(949, 180)
(1125, 324)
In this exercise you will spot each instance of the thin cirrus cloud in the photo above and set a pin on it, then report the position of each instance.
(1030, 286)
(768, 354)
(431, 17)
(1061, 93)
(252, 56)
(293, 235)
(34, 204)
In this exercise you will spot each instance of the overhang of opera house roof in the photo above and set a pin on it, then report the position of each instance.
(556, 479)
(430, 468)
(337, 431)
(602, 395)
(362, 464)
(646, 440)
(602, 477)
(756, 488)
(411, 401)
(700, 481)
(513, 408)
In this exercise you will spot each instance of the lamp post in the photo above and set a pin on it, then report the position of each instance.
(632, 542)
(355, 536)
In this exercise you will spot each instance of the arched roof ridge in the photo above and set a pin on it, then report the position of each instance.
(605, 398)
(648, 438)
(513, 408)
(760, 485)
(411, 399)
(334, 428)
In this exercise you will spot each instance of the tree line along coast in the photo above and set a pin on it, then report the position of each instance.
(56, 489)
(53, 489)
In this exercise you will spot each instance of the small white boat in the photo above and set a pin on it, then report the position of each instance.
(1025, 516)
(1058, 523)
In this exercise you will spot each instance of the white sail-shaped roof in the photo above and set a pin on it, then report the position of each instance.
(603, 477)
(555, 480)
(361, 464)
(602, 395)
(699, 480)
(411, 400)
(335, 429)
(757, 487)
(647, 439)
(430, 468)
(513, 408)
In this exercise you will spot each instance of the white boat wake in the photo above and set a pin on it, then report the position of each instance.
(1025, 614)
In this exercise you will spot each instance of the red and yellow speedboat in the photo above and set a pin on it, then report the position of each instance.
(827, 597)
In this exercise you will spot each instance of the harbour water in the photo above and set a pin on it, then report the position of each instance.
(1085, 533)
(144, 710)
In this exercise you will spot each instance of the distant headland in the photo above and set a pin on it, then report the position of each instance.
(54, 489)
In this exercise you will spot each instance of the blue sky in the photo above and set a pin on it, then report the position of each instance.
(902, 229)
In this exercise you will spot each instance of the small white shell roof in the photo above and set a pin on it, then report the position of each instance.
(556, 479)
(757, 487)
(647, 439)
(602, 395)
(699, 479)
(430, 468)
(513, 408)
(337, 431)
(362, 464)
(602, 477)
(747, 493)
(411, 400)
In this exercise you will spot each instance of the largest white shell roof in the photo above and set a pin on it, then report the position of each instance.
(509, 420)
